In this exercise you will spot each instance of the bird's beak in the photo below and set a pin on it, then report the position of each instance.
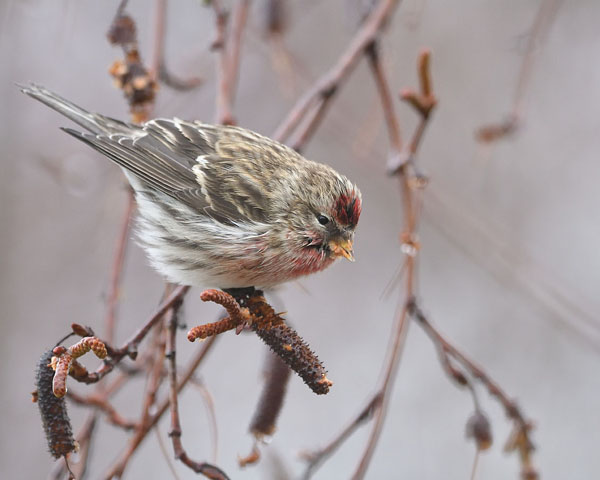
(342, 248)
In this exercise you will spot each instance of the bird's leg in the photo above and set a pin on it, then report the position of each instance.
(242, 295)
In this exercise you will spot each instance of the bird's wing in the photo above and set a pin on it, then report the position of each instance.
(93, 122)
(225, 172)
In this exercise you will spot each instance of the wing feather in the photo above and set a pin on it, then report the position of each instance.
(211, 169)
(225, 172)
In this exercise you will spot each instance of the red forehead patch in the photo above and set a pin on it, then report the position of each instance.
(347, 210)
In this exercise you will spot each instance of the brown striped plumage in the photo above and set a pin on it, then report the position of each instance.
(223, 206)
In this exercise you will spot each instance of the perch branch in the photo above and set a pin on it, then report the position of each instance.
(249, 306)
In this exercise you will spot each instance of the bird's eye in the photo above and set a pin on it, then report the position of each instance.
(323, 220)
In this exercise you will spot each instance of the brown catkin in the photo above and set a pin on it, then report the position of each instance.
(85, 345)
(211, 329)
(53, 410)
(282, 339)
(59, 382)
(290, 347)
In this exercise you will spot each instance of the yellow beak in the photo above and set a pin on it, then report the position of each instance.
(342, 248)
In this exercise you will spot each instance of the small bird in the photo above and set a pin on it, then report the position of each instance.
(223, 206)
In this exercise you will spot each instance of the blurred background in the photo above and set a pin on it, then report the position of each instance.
(509, 268)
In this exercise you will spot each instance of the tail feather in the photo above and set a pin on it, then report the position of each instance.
(92, 122)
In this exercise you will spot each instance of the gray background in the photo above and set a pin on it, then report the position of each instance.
(509, 267)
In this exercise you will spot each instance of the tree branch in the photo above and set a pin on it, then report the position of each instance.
(324, 89)
(521, 436)
(229, 46)
(206, 469)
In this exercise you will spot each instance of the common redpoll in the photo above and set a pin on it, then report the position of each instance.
(223, 206)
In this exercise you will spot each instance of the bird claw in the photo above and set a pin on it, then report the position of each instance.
(241, 327)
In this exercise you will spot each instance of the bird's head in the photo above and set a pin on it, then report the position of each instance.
(327, 215)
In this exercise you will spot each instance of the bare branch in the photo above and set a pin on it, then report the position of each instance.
(229, 47)
(117, 268)
(159, 68)
(377, 405)
(116, 471)
(206, 469)
(324, 88)
(520, 440)
(100, 403)
(539, 30)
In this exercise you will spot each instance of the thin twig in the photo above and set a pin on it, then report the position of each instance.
(387, 100)
(158, 53)
(163, 449)
(121, 8)
(156, 359)
(116, 470)
(377, 405)
(234, 44)
(521, 438)
(155, 375)
(229, 47)
(117, 269)
(206, 469)
(159, 68)
(209, 403)
(324, 88)
(475, 463)
(129, 348)
(539, 30)
(103, 392)
(224, 114)
(316, 458)
(410, 244)
(386, 384)
(312, 124)
(100, 403)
